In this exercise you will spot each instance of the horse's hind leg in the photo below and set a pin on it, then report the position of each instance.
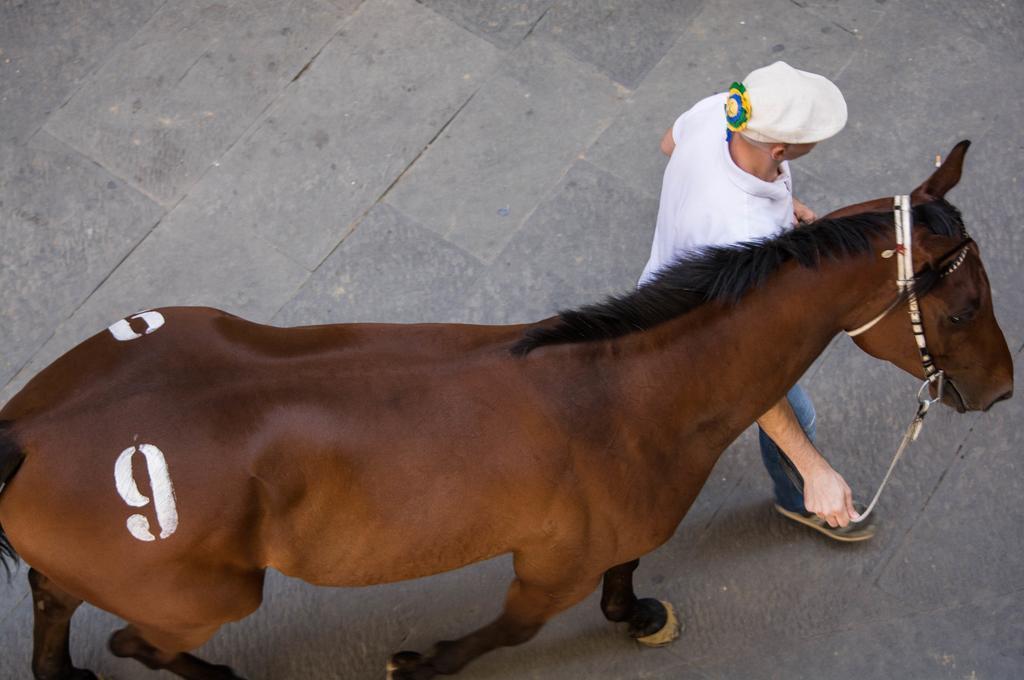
(651, 622)
(535, 596)
(52, 611)
(209, 598)
(132, 642)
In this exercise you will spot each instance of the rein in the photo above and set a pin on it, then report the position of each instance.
(905, 285)
(914, 429)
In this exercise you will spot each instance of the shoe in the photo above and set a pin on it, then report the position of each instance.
(852, 532)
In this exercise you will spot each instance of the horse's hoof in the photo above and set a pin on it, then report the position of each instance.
(654, 623)
(408, 666)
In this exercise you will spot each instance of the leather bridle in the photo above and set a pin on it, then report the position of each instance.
(905, 283)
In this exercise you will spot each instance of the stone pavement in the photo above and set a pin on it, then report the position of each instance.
(306, 161)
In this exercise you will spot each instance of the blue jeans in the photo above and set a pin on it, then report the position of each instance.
(789, 491)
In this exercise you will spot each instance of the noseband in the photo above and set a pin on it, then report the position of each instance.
(905, 284)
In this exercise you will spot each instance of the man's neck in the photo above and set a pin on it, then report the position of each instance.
(754, 159)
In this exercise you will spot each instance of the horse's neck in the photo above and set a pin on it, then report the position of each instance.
(695, 383)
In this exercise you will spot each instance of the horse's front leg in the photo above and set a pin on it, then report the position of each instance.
(535, 596)
(651, 622)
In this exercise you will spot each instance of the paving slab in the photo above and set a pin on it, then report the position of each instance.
(889, 147)
(186, 86)
(13, 590)
(47, 49)
(928, 645)
(996, 23)
(375, 275)
(855, 17)
(503, 23)
(347, 6)
(186, 260)
(704, 60)
(16, 627)
(936, 563)
(488, 170)
(614, 36)
(589, 240)
(367, 107)
(65, 223)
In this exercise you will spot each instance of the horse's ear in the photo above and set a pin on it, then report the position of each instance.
(946, 176)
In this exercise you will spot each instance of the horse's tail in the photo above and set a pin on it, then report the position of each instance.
(11, 455)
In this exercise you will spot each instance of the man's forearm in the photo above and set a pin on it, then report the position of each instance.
(780, 423)
(826, 493)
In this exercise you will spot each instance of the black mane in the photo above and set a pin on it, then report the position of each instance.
(727, 273)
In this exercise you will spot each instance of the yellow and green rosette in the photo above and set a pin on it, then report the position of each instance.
(737, 108)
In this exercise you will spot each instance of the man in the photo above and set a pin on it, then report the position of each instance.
(728, 180)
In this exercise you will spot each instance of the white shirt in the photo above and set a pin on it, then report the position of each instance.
(706, 199)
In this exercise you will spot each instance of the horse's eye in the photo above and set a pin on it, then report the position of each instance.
(962, 317)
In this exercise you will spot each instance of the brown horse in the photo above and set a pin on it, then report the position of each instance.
(159, 468)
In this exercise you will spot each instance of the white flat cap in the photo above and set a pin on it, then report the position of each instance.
(792, 106)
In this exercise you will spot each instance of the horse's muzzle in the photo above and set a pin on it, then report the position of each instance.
(1003, 397)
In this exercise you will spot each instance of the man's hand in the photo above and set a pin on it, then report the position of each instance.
(828, 496)
(802, 214)
(668, 142)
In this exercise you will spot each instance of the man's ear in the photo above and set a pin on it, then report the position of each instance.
(945, 177)
(778, 152)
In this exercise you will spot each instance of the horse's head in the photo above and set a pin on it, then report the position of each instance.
(963, 336)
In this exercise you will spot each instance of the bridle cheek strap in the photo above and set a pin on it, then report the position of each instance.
(904, 282)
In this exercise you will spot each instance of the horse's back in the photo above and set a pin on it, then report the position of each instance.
(178, 345)
(123, 358)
